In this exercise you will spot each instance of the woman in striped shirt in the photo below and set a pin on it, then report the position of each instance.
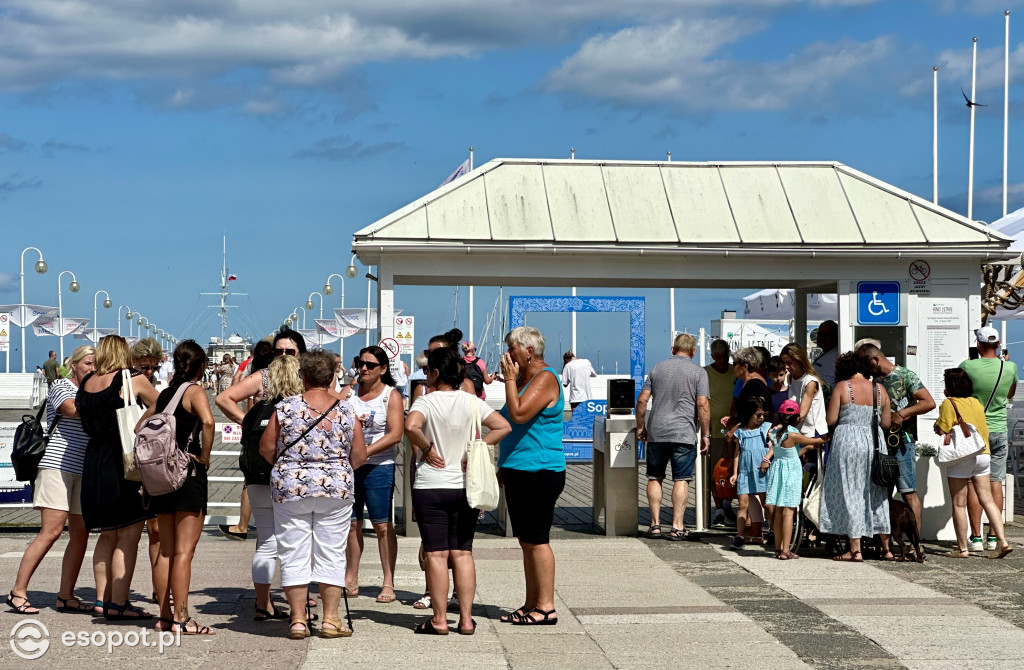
(57, 492)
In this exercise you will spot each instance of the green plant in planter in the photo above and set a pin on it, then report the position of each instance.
(926, 450)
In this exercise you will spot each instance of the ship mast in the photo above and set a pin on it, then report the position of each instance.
(224, 293)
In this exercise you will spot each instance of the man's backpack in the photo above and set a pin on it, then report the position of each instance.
(254, 467)
(163, 465)
(30, 445)
(475, 375)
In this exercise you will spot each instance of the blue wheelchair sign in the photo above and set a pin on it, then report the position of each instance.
(878, 303)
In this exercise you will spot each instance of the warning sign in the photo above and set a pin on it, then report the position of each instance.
(390, 347)
(230, 432)
(919, 271)
(5, 335)
(405, 333)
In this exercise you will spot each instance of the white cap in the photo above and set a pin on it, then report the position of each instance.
(987, 334)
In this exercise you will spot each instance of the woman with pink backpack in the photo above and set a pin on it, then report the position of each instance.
(181, 512)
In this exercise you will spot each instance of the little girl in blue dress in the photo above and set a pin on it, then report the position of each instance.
(750, 465)
(785, 476)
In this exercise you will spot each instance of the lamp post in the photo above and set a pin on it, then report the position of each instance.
(138, 322)
(127, 316)
(328, 289)
(295, 316)
(74, 286)
(41, 268)
(106, 304)
(309, 305)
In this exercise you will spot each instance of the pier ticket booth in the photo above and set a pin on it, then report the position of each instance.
(906, 271)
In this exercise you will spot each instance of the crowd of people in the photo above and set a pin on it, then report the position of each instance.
(329, 452)
(765, 421)
(324, 451)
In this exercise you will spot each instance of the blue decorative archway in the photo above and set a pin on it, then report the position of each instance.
(519, 305)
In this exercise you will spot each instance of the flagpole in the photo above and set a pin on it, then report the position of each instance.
(471, 150)
(1006, 105)
(935, 135)
(970, 157)
(672, 313)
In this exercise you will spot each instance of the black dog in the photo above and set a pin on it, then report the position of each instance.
(904, 522)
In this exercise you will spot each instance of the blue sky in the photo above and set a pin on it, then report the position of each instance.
(134, 134)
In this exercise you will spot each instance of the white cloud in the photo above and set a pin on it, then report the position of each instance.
(676, 65)
(297, 44)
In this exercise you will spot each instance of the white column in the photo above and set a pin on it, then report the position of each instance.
(847, 297)
(800, 318)
(470, 337)
(386, 306)
(672, 313)
(573, 345)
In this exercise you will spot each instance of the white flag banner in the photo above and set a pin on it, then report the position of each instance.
(355, 317)
(24, 315)
(332, 330)
(780, 304)
(315, 338)
(459, 171)
(100, 333)
(45, 327)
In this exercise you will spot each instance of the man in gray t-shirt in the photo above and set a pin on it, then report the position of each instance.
(678, 391)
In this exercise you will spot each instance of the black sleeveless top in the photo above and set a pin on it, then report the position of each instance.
(186, 424)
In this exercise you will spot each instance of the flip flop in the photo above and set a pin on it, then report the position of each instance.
(1003, 553)
(427, 628)
(386, 597)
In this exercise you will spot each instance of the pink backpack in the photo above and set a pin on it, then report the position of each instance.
(161, 463)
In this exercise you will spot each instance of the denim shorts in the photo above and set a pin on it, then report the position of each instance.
(997, 446)
(375, 485)
(684, 460)
(906, 456)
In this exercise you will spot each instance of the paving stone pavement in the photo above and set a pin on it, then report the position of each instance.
(622, 603)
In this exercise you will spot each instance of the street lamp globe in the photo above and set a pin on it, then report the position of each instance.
(41, 266)
(309, 304)
(74, 287)
(351, 272)
(107, 303)
(139, 322)
(128, 316)
(328, 289)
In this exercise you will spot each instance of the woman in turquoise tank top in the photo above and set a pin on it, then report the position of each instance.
(532, 467)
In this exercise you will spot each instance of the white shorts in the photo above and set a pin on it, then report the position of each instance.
(973, 466)
(54, 489)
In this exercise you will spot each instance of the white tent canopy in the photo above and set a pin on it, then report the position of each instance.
(780, 304)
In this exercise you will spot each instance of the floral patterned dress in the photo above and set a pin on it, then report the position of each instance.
(318, 465)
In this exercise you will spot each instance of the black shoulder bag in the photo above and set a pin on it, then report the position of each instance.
(885, 468)
(30, 444)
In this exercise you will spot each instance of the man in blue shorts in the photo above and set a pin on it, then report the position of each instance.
(908, 399)
(678, 391)
(995, 381)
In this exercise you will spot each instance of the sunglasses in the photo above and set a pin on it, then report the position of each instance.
(149, 368)
(286, 352)
(368, 365)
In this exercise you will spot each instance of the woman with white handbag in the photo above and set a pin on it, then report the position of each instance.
(112, 501)
(440, 426)
(965, 452)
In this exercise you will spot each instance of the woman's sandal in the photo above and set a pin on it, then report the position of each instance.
(427, 628)
(336, 630)
(264, 615)
(888, 556)
(786, 556)
(298, 633)
(79, 608)
(528, 620)
(849, 557)
(136, 614)
(386, 597)
(470, 630)
(160, 620)
(196, 630)
(423, 603)
(653, 532)
(678, 534)
(958, 553)
(1003, 553)
(514, 615)
(24, 608)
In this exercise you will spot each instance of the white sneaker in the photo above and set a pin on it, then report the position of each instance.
(975, 544)
(991, 543)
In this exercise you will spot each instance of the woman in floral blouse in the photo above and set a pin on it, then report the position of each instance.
(315, 443)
